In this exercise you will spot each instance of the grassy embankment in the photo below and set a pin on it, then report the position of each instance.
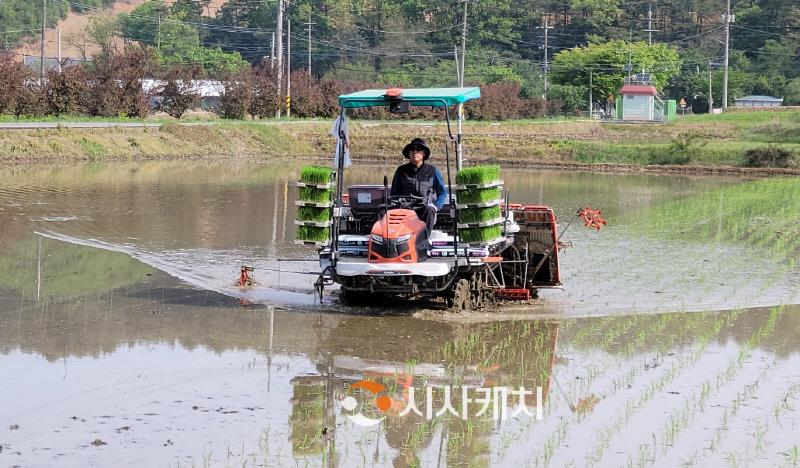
(713, 141)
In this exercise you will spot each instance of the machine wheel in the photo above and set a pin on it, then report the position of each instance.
(461, 300)
(355, 298)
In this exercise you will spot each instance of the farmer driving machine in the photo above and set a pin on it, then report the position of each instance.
(371, 243)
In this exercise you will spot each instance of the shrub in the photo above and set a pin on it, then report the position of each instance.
(30, 101)
(237, 96)
(770, 156)
(264, 98)
(13, 77)
(116, 82)
(178, 94)
(306, 95)
(498, 101)
(66, 92)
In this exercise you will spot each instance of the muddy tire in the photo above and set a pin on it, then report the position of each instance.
(461, 300)
(355, 298)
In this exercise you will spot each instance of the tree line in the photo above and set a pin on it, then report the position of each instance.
(111, 86)
(411, 43)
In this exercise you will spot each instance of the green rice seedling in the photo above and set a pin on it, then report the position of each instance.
(315, 195)
(308, 213)
(480, 234)
(479, 215)
(478, 174)
(312, 233)
(478, 195)
(315, 175)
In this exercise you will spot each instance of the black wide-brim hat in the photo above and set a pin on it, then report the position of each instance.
(417, 142)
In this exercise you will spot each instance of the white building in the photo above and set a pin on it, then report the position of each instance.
(758, 101)
(638, 102)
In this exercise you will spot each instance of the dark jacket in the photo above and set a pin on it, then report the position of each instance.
(410, 180)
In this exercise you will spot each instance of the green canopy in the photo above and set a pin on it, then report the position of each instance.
(428, 97)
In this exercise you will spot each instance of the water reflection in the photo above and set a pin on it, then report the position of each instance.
(280, 377)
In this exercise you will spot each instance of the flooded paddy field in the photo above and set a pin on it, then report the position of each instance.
(123, 340)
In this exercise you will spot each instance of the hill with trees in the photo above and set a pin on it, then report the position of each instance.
(411, 43)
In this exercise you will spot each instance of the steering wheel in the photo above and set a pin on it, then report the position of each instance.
(406, 201)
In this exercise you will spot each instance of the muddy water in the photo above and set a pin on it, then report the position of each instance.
(124, 342)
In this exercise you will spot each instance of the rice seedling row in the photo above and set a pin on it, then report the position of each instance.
(315, 175)
(681, 418)
(478, 175)
(309, 213)
(632, 406)
(313, 234)
(475, 196)
(315, 195)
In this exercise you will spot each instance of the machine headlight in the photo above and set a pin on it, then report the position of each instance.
(376, 238)
(404, 238)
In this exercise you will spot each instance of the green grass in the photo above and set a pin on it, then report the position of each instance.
(740, 119)
(307, 213)
(480, 234)
(478, 174)
(315, 195)
(312, 233)
(92, 149)
(761, 213)
(478, 195)
(775, 132)
(478, 215)
(315, 175)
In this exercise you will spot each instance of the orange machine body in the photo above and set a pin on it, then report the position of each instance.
(398, 237)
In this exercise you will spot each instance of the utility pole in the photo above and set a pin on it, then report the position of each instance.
(309, 24)
(288, 68)
(463, 46)
(590, 92)
(279, 54)
(272, 53)
(158, 33)
(58, 30)
(650, 29)
(710, 99)
(727, 44)
(459, 148)
(41, 56)
(630, 63)
(546, 62)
